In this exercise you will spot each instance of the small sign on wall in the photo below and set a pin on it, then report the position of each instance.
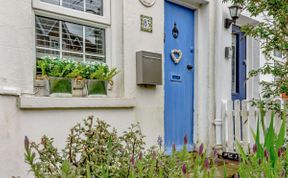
(146, 23)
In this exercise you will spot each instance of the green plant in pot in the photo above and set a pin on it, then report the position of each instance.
(58, 71)
(41, 83)
(99, 79)
(79, 88)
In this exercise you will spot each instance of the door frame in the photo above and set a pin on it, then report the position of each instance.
(201, 41)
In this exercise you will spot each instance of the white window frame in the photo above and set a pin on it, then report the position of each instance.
(38, 5)
(78, 17)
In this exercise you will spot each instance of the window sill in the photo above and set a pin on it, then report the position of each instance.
(33, 102)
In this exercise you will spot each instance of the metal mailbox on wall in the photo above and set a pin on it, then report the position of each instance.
(149, 68)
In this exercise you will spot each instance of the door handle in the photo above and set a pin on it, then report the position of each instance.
(189, 67)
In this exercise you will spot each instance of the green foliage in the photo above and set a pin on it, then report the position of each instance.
(57, 67)
(268, 159)
(93, 149)
(272, 34)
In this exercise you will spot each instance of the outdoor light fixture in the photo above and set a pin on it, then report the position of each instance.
(235, 12)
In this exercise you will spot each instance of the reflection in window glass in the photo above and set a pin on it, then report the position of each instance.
(56, 2)
(47, 33)
(94, 6)
(78, 42)
(72, 37)
(94, 43)
(74, 4)
(90, 6)
(234, 64)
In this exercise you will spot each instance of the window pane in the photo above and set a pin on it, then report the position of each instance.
(46, 52)
(74, 4)
(57, 2)
(94, 58)
(95, 41)
(234, 64)
(94, 6)
(47, 33)
(72, 37)
(74, 56)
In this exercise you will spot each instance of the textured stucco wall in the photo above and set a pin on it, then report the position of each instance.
(17, 49)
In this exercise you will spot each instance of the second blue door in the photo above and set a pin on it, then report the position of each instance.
(179, 75)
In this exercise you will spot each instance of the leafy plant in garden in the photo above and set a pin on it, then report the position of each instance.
(57, 67)
(272, 34)
(93, 149)
(270, 158)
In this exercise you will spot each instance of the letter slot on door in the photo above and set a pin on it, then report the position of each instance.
(148, 68)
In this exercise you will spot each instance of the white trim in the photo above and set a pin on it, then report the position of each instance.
(84, 16)
(194, 4)
(10, 91)
(32, 102)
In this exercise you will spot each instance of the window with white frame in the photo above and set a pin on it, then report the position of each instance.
(69, 39)
(90, 6)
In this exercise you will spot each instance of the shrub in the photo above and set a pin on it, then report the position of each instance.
(95, 150)
(268, 159)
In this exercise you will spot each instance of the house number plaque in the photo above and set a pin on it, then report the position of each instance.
(148, 3)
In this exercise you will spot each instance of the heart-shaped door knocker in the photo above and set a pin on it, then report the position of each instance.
(174, 54)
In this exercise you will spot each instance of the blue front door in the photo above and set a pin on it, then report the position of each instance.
(238, 64)
(179, 75)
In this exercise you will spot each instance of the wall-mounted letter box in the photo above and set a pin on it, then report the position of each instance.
(149, 68)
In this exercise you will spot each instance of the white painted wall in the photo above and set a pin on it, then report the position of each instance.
(17, 49)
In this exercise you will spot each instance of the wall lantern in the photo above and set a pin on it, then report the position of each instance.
(235, 12)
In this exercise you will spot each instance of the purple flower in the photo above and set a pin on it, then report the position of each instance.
(173, 147)
(184, 169)
(201, 148)
(206, 163)
(254, 149)
(132, 160)
(279, 152)
(185, 139)
(160, 141)
(26, 143)
(266, 154)
(215, 153)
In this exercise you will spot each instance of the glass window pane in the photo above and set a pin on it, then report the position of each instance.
(95, 41)
(46, 52)
(47, 33)
(57, 2)
(94, 6)
(73, 56)
(74, 4)
(72, 37)
(234, 64)
(94, 58)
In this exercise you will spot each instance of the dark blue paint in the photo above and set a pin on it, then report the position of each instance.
(241, 64)
(179, 81)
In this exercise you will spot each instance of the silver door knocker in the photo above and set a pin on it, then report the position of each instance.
(176, 55)
(175, 31)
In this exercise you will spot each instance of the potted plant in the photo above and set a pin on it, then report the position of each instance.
(98, 80)
(59, 84)
(41, 84)
(79, 88)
